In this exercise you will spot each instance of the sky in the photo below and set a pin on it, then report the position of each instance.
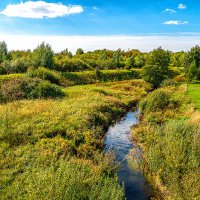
(97, 24)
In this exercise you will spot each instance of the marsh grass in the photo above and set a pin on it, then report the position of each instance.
(51, 148)
(170, 142)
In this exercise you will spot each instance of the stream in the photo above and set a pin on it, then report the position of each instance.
(118, 139)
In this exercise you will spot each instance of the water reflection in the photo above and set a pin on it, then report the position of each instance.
(118, 138)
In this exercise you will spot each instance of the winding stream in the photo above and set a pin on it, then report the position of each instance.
(118, 138)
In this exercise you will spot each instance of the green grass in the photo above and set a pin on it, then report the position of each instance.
(169, 137)
(38, 138)
(194, 93)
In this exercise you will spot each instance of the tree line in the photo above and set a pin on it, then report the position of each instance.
(157, 65)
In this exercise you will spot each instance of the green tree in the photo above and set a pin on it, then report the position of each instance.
(130, 62)
(139, 60)
(157, 69)
(3, 52)
(116, 58)
(67, 53)
(193, 71)
(79, 51)
(43, 56)
(159, 57)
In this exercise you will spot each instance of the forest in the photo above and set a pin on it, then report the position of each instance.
(55, 110)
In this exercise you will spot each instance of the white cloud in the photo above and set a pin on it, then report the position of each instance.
(175, 22)
(182, 6)
(88, 43)
(169, 10)
(40, 9)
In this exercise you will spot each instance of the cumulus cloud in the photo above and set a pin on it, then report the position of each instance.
(169, 10)
(175, 22)
(40, 9)
(182, 6)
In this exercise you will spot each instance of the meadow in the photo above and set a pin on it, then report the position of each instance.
(45, 139)
(55, 110)
(193, 92)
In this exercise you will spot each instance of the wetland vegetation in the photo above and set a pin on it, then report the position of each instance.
(55, 110)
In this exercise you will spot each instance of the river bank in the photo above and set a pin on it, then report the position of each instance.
(168, 136)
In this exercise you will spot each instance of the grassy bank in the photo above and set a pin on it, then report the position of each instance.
(52, 148)
(169, 135)
(194, 93)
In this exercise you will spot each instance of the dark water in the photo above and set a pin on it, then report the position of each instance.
(118, 138)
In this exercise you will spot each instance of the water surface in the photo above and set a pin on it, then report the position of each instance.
(118, 138)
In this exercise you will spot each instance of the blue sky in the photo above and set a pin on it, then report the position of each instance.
(125, 18)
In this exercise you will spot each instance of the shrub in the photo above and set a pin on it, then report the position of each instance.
(155, 74)
(23, 88)
(64, 64)
(89, 77)
(169, 82)
(19, 65)
(46, 74)
(155, 101)
(4, 78)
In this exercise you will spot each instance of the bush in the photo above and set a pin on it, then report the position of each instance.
(46, 74)
(28, 88)
(90, 77)
(169, 82)
(155, 101)
(4, 78)
(80, 78)
(155, 74)
(64, 64)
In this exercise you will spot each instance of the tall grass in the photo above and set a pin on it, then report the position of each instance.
(170, 143)
(75, 179)
(172, 153)
(52, 148)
